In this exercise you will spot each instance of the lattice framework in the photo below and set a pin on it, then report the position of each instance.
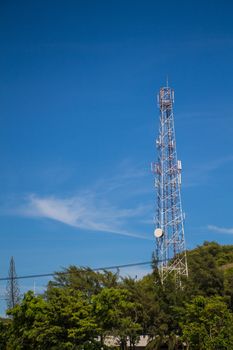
(169, 220)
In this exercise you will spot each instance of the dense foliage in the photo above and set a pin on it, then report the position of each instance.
(82, 308)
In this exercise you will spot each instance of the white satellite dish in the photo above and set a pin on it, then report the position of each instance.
(158, 233)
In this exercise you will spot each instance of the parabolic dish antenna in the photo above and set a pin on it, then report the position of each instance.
(158, 233)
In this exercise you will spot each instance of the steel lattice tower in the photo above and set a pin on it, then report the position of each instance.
(169, 220)
(12, 289)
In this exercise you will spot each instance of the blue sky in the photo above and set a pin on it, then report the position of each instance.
(78, 84)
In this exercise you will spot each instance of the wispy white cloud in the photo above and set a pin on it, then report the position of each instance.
(126, 175)
(83, 211)
(226, 230)
(200, 173)
(216, 163)
(116, 204)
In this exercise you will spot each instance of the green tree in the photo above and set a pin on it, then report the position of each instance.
(27, 318)
(71, 311)
(116, 315)
(228, 285)
(205, 277)
(4, 332)
(81, 307)
(63, 321)
(207, 324)
(85, 279)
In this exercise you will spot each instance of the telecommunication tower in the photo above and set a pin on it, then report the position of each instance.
(169, 219)
(12, 289)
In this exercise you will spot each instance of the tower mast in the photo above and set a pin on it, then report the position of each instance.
(169, 221)
(12, 289)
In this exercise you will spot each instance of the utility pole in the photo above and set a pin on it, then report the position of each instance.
(169, 220)
(12, 288)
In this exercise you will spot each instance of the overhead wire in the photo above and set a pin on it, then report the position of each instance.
(51, 274)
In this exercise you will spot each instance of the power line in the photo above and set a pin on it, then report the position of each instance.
(68, 272)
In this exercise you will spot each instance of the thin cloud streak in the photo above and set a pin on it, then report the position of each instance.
(218, 229)
(83, 212)
(200, 174)
(100, 208)
(127, 175)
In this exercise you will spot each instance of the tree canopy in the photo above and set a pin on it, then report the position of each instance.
(82, 308)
